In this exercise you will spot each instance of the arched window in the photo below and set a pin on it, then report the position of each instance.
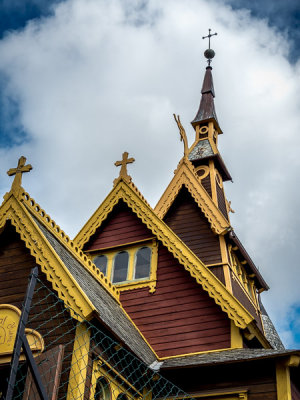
(102, 390)
(142, 263)
(120, 267)
(122, 396)
(101, 263)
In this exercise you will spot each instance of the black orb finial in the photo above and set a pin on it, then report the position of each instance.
(209, 53)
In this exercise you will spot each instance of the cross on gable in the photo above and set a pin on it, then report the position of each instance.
(21, 168)
(123, 164)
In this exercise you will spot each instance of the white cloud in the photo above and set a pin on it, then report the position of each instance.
(99, 78)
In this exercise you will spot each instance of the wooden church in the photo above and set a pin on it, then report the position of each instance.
(172, 286)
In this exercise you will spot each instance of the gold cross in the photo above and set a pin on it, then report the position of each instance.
(123, 164)
(21, 168)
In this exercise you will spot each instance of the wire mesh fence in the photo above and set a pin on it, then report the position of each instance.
(81, 360)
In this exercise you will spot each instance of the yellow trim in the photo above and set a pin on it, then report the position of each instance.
(132, 283)
(213, 182)
(128, 193)
(79, 363)
(236, 337)
(205, 173)
(9, 321)
(224, 255)
(91, 253)
(64, 239)
(193, 354)
(115, 387)
(56, 272)
(230, 395)
(186, 175)
(283, 381)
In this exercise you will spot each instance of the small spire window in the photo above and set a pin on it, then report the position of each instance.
(120, 267)
(142, 263)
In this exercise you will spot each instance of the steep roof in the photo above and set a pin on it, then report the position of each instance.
(206, 111)
(125, 190)
(78, 282)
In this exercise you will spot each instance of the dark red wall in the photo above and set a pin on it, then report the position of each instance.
(122, 226)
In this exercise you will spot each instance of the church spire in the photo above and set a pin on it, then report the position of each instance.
(206, 111)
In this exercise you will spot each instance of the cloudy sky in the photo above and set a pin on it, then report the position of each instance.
(84, 80)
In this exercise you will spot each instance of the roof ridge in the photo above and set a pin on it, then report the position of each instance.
(65, 240)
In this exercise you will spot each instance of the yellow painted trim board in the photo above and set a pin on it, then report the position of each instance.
(283, 381)
(56, 272)
(127, 192)
(185, 175)
(65, 241)
(79, 363)
(236, 337)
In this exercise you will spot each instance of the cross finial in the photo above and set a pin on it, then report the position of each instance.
(123, 164)
(21, 168)
(209, 53)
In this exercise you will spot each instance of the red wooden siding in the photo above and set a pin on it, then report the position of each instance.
(180, 317)
(295, 392)
(221, 201)
(218, 271)
(187, 220)
(242, 297)
(122, 226)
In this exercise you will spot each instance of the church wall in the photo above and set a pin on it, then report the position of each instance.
(16, 264)
(187, 220)
(180, 317)
(257, 378)
(295, 392)
(121, 227)
(239, 293)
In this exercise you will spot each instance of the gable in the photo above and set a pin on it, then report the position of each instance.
(185, 175)
(121, 227)
(188, 222)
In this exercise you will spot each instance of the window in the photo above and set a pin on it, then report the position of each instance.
(120, 267)
(122, 396)
(142, 263)
(102, 390)
(134, 266)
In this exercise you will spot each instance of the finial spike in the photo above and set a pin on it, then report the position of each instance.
(21, 168)
(182, 134)
(209, 53)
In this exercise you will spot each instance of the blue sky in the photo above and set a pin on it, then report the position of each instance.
(81, 81)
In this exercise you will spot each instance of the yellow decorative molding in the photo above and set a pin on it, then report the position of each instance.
(56, 272)
(185, 175)
(9, 321)
(124, 191)
(64, 239)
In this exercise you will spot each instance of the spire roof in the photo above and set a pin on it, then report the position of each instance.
(206, 111)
